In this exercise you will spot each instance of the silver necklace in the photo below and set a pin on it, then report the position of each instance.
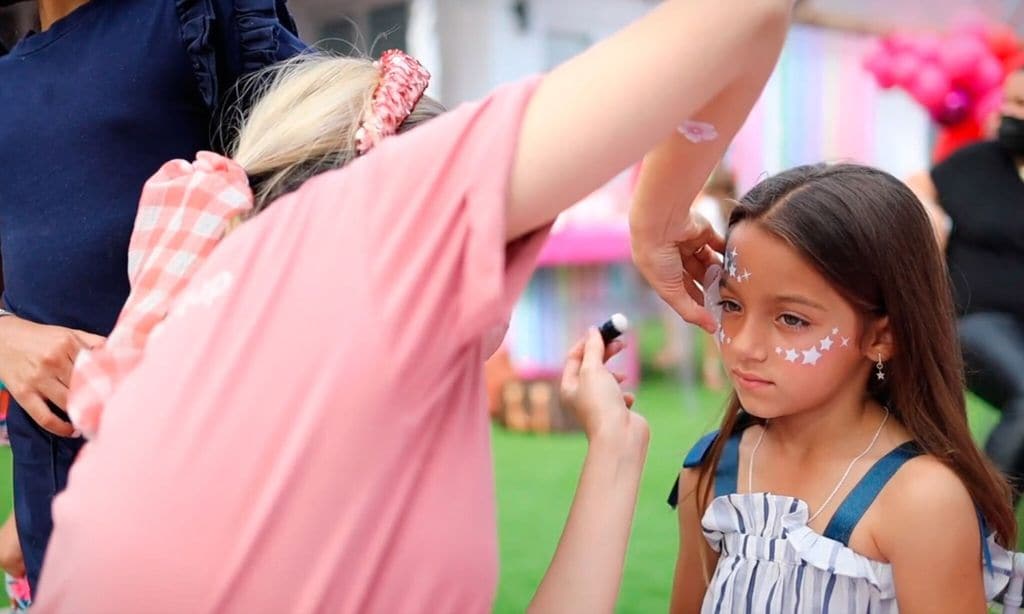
(849, 468)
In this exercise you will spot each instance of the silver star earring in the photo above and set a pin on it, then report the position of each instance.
(881, 369)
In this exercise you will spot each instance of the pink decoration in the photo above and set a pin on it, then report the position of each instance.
(960, 55)
(904, 67)
(956, 106)
(989, 105)
(927, 46)
(592, 244)
(988, 74)
(930, 86)
(957, 76)
(879, 64)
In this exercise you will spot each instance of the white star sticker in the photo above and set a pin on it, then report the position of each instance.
(778, 351)
(846, 342)
(734, 254)
(746, 275)
(835, 331)
(728, 340)
(732, 271)
(826, 344)
(811, 356)
(791, 355)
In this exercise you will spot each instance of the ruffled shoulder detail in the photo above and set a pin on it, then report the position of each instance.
(250, 32)
(257, 23)
(833, 556)
(196, 22)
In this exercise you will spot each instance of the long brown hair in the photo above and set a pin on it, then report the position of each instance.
(869, 236)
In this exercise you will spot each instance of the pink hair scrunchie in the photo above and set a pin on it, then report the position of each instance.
(403, 80)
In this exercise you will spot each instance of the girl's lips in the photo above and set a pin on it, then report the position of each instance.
(749, 380)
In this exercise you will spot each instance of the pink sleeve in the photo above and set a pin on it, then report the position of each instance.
(429, 207)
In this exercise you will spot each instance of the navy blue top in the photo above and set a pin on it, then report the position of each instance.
(92, 107)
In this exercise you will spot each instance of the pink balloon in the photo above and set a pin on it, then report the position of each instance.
(899, 41)
(927, 46)
(930, 86)
(904, 67)
(960, 54)
(988, 105)
(971, 24)
(879, 63)
(988, 74)
(955, 108)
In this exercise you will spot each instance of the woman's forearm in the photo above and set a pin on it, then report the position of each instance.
(586, 571)
(676, 170)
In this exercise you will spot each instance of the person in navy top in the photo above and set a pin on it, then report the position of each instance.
(91, 106)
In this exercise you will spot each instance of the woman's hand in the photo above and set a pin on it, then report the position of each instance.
(674, 259)
(593, 393)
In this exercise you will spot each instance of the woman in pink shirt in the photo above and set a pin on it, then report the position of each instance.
(308, 411)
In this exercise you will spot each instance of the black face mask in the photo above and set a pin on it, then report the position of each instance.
(1011, 134)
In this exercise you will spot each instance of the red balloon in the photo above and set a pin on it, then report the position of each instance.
(1002, 41)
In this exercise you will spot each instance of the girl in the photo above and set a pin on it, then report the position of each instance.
(844, 476)
(314, 394)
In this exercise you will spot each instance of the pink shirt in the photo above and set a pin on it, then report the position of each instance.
(307, 430)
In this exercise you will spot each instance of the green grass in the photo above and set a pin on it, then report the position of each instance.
(536, 477)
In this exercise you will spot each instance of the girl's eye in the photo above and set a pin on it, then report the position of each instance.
(793, 321)
(729, 306)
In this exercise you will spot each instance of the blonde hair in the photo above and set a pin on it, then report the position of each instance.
(305, 119)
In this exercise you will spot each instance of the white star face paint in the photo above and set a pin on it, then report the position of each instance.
(736, 272)
(811, 356)
(816, 353)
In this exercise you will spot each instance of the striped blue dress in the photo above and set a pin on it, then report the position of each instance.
(770, 560)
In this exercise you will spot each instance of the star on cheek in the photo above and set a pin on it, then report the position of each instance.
(791, 355)
(811, 356)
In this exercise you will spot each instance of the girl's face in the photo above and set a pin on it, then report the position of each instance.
(789, 341)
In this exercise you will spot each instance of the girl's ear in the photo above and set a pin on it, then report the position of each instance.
(878, 342)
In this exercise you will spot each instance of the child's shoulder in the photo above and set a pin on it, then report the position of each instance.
(925, 499)
(923, 484)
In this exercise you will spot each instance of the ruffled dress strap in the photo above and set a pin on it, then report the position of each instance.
(228, 39)
(852, 509)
